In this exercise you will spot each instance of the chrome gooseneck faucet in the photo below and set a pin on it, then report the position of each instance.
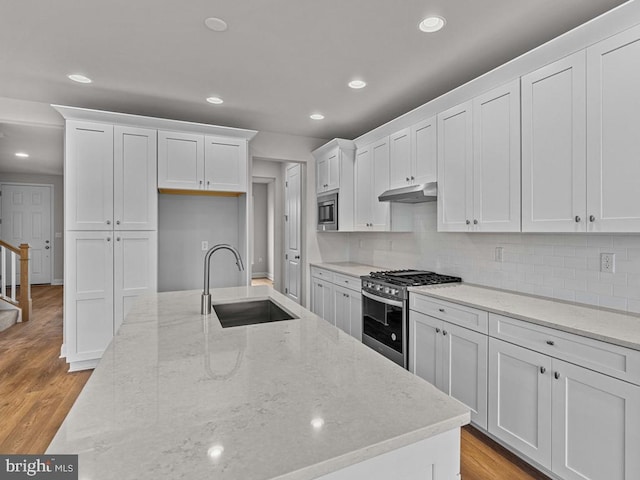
(205, 301)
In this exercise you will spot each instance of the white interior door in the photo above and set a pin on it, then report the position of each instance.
(26, 218)
(292, 233)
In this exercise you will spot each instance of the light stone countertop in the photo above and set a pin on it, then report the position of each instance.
(614, 327)
(173, 385)
(349, 268)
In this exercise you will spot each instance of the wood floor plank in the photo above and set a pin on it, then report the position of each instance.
(37, 392)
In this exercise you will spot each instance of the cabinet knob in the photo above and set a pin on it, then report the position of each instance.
(542, 369)
(475, 222)
(108, 222)
(117, 222)
(444, 332)
(108, 239)
(117, 239)
(437, 330)
(407, 179)
(577, 219)
(441, 310)
(412, 177)
(208, 183)
(556, 375)
(592, 218)
(46, 247)
(551, 342)
(467, 222)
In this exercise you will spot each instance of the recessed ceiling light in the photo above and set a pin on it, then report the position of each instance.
(215, 100)
(357, 84)
(22, 155)
(216, 24)
(431, 24)
(215, 451)
(76, 77)
(316, 116)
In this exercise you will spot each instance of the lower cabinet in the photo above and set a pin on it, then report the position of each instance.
(348, 312)
(576, 422)
(452, 358)
(107, 270)
(336, 298)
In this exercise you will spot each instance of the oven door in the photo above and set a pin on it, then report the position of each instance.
(384, 327)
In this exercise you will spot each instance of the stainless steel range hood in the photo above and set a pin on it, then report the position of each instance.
(425, 192)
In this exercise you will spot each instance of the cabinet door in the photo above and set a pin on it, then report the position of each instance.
(520, 399)
(464, 364)
(180, 161)
(400, 159)
(455, 156)
(381, 216)
(342, 308)
(135, 262)
(88, 290)
(135, 201)
(317, 297)
(363, 189)
(88, 176)
(328, 303)
(355, 314)
(424, 154)
(613, 142)
(425, 349)
(322, 174)
(225, 164)
(553, 147)
(596, 420)
(333, 162)
(496, 160)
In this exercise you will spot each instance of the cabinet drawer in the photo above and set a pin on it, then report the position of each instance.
(613, 360)
(322, 273)
(352, 283)
(467, 317)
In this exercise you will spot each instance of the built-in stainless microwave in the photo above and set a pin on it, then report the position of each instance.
(327, 212)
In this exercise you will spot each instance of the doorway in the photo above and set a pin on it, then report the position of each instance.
(27, 217)
(263, 220)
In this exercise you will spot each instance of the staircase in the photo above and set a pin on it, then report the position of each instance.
(15, 301)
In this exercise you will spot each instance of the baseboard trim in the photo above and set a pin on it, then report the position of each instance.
(57, 281)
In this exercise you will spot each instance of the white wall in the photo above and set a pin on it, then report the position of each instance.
(561, 266)
(260, 231)
(58, 214)
(184, 221)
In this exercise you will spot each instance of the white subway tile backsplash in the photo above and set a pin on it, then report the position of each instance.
(563, 266)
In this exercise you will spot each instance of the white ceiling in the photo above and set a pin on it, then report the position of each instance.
(279, 61)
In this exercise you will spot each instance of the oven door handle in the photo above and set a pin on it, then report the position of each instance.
(386, 301)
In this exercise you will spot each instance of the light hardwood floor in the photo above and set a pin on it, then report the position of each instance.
(36, 393)
(261, 281)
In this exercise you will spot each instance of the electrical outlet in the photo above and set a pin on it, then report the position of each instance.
(499, 254)
(608, 262)
(205, 245)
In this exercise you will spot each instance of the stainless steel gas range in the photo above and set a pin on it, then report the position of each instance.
(385, 309)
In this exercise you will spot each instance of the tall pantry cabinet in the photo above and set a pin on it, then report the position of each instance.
(111, 218)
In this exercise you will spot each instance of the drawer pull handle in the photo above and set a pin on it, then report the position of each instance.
(542, 369)
(551, 342)
(441, 310)
(437, 330)
(556, 375)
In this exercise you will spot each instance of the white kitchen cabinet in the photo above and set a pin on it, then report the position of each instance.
(520, 399)
(191, 162)
(135, 199)
(88, 176)
(595, 421)
(413, 155)
(452, 358)
(479, 163)
(613, 142)
(323, 299)
(328, 171)
(372, 179)
(110, 269)
(348, 311)
(553, 147)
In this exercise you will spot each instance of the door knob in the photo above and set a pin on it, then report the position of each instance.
(297, 257)
(46, 247)
(46, 241)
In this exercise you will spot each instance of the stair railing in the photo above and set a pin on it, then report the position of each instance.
(16, 254)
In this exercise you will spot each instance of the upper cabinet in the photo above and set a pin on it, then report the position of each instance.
(412, 155)
(479, 163)
(328, 170)
(110, 177)
(189, 161)
(613, 133)
(553, 147)
(372, 179)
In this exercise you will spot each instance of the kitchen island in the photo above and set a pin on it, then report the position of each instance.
(178, 396)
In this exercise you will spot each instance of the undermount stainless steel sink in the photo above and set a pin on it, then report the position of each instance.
(250, 313)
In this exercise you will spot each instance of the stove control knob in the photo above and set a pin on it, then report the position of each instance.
(393, 337)
(387, 290)
(378, 287)
(394, 291)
